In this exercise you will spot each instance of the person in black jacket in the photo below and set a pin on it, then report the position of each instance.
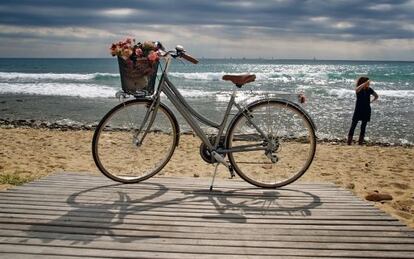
(362, 110)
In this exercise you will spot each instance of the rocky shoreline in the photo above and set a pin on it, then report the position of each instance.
(61, 126)
(38, 124)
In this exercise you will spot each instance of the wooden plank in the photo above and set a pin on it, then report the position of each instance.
(221, 246)
(155, 193)
(136, 249)
(32, 199)
(169, 179)
(275, 235)
(236, 190)
(167, 212)
(128, 217)
(67, 179)
(220, 239)
(204, 216)
(195, 204)
(222, 226)
(39, 256)
(220, 220)
(172, 210)
(202, 191)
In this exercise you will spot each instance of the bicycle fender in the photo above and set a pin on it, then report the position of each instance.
(283, 101)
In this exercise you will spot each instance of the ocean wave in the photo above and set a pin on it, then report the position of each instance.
(15, 76)
(192, 93)
(396, 93)
(342, 92)
(217, 76)
(206, 76)
(273, 77)
(81, 90)
(387, 93)
(247, 96)
(59, 89)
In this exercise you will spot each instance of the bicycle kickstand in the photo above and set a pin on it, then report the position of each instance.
(214, 176)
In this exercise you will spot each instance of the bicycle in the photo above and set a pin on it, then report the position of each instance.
(269, 142)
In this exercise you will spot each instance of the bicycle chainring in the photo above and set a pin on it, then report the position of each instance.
(205, 153)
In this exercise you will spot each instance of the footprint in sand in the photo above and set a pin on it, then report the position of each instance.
(401, 186)
(326, 174)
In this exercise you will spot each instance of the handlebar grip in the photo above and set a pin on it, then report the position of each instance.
(189, 58)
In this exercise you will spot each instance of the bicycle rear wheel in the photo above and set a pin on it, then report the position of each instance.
(127, 148)
(273, 141)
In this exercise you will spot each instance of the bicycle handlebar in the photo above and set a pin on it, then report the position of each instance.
(189, 58)
(179, 52)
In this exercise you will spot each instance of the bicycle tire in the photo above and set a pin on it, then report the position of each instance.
(291, 145)
(115, 146)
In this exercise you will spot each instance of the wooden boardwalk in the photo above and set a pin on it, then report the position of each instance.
(80, 215)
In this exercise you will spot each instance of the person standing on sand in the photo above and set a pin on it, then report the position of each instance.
(362, 110)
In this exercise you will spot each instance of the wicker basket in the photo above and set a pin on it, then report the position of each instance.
(138, 77)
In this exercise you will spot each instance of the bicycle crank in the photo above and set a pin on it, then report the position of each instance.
(272, 157)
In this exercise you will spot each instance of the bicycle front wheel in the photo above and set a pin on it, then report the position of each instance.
(273, 143)
(132, 144)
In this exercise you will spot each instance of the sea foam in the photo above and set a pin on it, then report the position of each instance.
(14, 76)
(59, 89)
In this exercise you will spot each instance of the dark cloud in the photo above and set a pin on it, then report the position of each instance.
(330, 29)
(351, 19)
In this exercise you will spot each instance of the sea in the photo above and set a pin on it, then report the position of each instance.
(81, 91)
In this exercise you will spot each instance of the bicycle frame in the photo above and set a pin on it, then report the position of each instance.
(191, 116)
(261, 128)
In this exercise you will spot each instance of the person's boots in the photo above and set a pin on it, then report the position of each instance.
(361, 140)
(349, 140)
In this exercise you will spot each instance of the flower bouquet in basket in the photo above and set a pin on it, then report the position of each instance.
(138, 64)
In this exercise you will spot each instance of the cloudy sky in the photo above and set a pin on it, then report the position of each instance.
(325, 29)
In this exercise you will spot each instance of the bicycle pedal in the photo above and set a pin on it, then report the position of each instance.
(272, 157)
(275, 159)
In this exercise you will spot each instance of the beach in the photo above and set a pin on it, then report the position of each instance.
(49, 107)
(30, 153)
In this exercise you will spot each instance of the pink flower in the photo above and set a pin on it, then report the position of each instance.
(126, 53)
(128, 47)
(153, 57)
(148, 45)
(113, 50)
(139, 52)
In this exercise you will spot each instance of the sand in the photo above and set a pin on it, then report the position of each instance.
(33, 153)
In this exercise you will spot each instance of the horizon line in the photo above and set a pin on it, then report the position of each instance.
(233, 58)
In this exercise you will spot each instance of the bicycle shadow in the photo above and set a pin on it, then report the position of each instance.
(257, 202)
(99, 212)
(97, 215)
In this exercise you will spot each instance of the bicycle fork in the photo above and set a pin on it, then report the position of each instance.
(150, 115)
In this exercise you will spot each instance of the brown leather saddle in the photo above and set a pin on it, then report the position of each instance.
(239, 80)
